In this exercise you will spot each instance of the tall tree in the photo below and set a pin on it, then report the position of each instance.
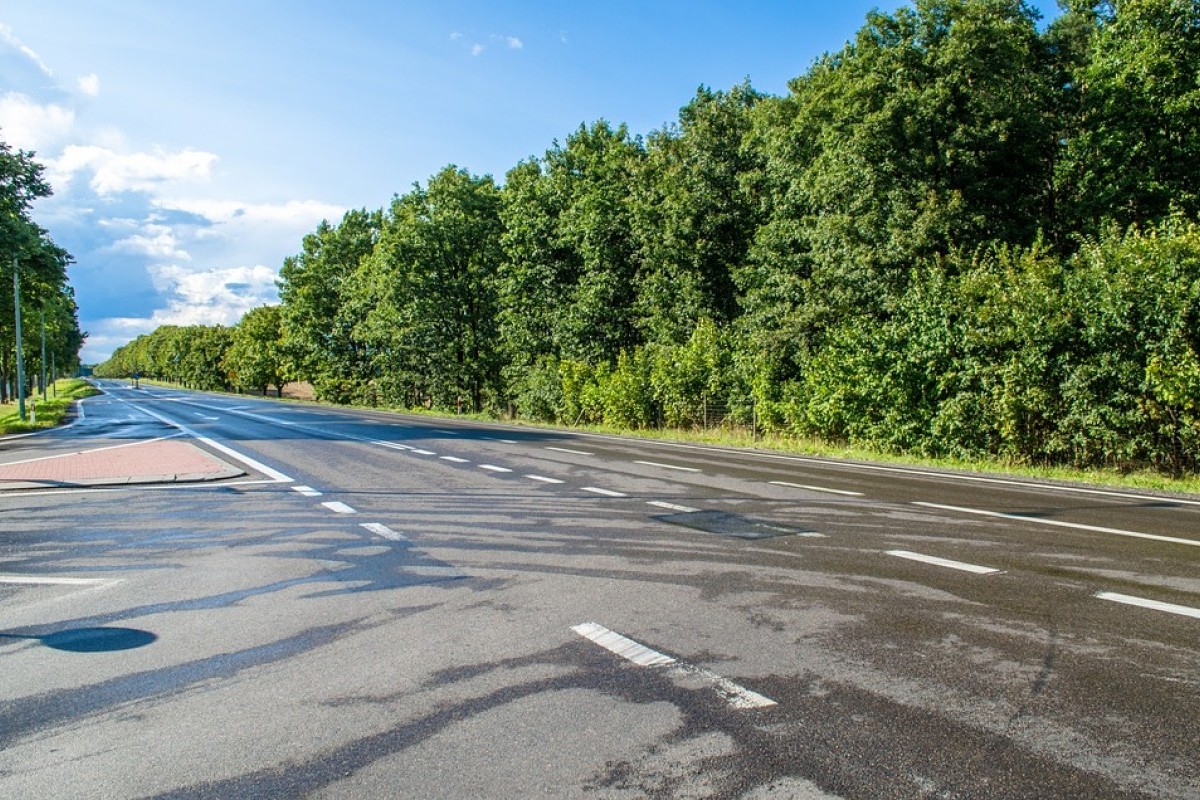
(255, 359)
(692, 220)
(1133, 143)
(428, 297)
(313, 292)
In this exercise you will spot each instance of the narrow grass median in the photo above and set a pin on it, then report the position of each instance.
(50, 412)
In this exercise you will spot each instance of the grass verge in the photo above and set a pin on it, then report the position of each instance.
(50, 412)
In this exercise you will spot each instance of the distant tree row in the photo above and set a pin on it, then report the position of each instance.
(958, 235)
(47, 299)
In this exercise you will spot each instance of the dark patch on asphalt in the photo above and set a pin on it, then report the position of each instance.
(727, 524)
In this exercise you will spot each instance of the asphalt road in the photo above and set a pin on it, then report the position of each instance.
(394, 606)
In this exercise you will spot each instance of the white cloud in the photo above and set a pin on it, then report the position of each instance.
(90, 85)
(294, 212)
(116, 172)
(514, 42)
(218, 296)
(7, 35)
(155, 240)
(29, 125)
(454, 37)
(477, 49)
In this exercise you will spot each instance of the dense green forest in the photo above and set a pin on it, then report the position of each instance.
(962, 234)
(47, 299)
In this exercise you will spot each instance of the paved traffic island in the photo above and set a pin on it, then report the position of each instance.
(157, 461)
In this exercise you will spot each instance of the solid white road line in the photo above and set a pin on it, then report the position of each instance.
(1170, 608)
(307, 491)
(455, 460)
(817, 488)
(943, 562)
(605, 492)
(568, 450)
(666, 466)
(543, 479)
(271, 473)
(734, 694)
(35, 580)
(1058, 524)
(383, 530)
(494, 468)
(672, 506)
(339, 508)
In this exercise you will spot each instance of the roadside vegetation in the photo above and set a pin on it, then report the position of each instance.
(50, 412)
(964, 237)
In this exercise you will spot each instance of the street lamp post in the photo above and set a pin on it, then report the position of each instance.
(20, 357)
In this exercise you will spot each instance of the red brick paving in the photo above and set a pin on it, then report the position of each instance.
(164, 460)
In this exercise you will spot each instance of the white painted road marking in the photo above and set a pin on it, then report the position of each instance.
(494, 468)
(737, 696)
(424, 452)
(605, 492)
(568, 450)
(307, 491)
(943, 562)
(666, 466)
(1058, 524)
(36, 580)
(817, 488)
(339, 508)
(383, 530)
(543, 479)
(672, 507)
(455, 460)
(273, 474)
(1170, 608)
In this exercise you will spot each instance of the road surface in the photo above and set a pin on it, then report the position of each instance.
(343, 603)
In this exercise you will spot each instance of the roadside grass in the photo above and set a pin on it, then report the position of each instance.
(50, 413)
(740, 438)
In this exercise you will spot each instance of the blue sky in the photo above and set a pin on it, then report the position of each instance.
(191, 145)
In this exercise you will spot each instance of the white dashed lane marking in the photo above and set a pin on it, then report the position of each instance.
(307, 491)
(1060, 524)
(543, 479)
(339, 508)
(672, 506)
(666, 466)
(604, 492)
(380, 529)
(734, 694)
(817, 488)
(943, 562)
(1141, 602)
(455, 460)
(494, 468)
(568, 450)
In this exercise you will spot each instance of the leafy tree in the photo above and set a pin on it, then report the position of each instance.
(428, 294)
(692, 221)
(313, 293)
(42, 271)
(1133, 144)
(255, 358)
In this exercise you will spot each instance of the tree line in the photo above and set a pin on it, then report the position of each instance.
(962, 234)
(48, 310)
